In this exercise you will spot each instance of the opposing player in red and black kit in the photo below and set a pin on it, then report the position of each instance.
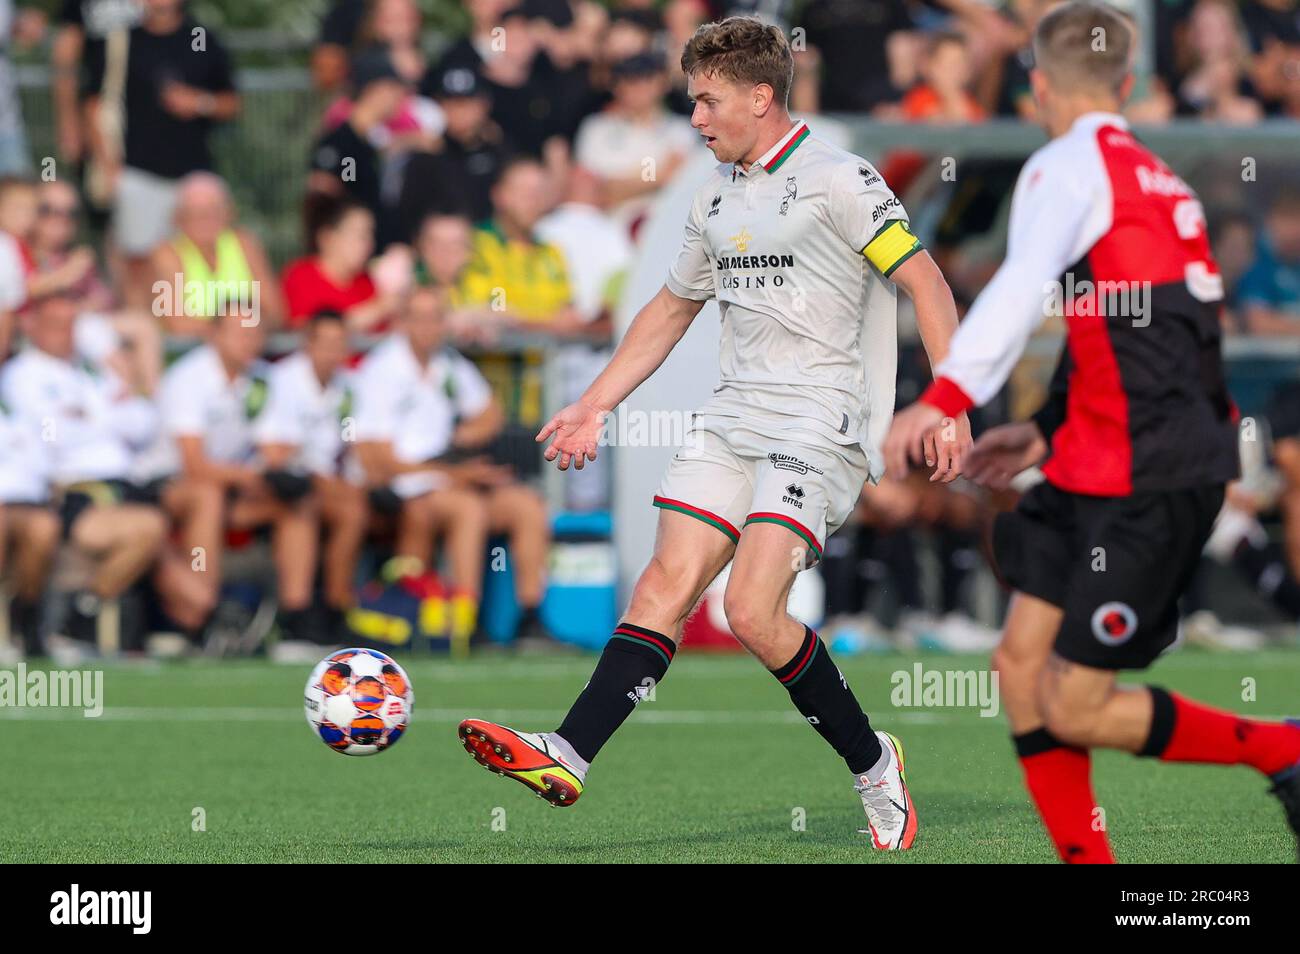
(1142, 439)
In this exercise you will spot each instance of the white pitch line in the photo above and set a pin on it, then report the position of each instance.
(645, 716)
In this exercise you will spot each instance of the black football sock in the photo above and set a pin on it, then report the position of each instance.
(634, 661)
(25, 623)
(823, 696)
(959, 556)
(295, 624)
(1267, 568)
(894, 562)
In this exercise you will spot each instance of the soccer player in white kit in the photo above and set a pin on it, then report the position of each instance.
(801, 244)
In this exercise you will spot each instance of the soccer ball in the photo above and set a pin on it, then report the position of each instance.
(358, 701)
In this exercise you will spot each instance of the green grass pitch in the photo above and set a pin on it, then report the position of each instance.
(717, 768)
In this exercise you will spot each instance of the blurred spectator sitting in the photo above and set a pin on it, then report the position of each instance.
(527, 92)
(681, 18)
(627, 33)
(334, 276)
(58, 264)
(396, 25)
(339, 28)
(106, 332)
(597, 252)
(457, 176)
(100, 422)
(1289, 106)
(22, 280)
(345, 159)
(29, 529)
(19, 207)
(444, 246)
(1233, 236)
(410, 393)
(211, 267)
(392, 29)
(206, 465)
(1269, 293)
(522, 283)
(1272, 20)
(635, 145)
(1273, 29)
(567, 46)
(511, 271)
(1015, 99)
(173, 90)
(473, 50)
(301, 430)
(1215, 86)
(425, 422)
(862, 46)
(943, 95)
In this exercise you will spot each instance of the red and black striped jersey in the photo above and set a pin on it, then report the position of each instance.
(1104, 233)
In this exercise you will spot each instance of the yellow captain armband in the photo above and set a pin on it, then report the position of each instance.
(893, 245)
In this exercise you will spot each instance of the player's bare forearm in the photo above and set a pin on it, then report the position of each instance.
(652, 335)
(942, 447)
(936, 312)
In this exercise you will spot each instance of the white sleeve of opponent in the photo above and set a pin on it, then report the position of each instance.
(1061, 207)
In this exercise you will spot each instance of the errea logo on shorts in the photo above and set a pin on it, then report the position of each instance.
(77, 907)
(1114, 623)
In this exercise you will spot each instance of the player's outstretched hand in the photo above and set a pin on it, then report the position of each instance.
(946, 447)
(905, 444)
(1004, 451)
(577, 433)
(914, 436)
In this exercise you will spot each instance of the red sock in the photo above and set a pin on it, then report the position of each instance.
(1186, 731)
(1058, 782)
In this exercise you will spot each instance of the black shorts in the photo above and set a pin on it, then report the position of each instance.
(79, 497)
(1115, 565)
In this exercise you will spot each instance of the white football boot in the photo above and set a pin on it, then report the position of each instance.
(891, 817)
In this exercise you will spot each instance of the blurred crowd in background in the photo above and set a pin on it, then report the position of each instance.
(470, 207)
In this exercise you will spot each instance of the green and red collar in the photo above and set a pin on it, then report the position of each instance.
(775, 157)
(782, 151)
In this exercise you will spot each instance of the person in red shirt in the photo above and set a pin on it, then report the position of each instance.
(944, 93)
(335, 276)
(943, 97)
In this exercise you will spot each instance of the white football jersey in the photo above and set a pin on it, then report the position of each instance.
(305, 414)
(197, 398)
(91, 426)
(798, 251)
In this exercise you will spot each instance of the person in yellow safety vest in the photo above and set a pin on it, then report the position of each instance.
(209, 267)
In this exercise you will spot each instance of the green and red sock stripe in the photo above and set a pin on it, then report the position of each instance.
(790, 524)
(712, 519)
(797, 667)
(647, 638)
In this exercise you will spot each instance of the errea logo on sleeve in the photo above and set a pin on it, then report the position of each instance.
(77, 907)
